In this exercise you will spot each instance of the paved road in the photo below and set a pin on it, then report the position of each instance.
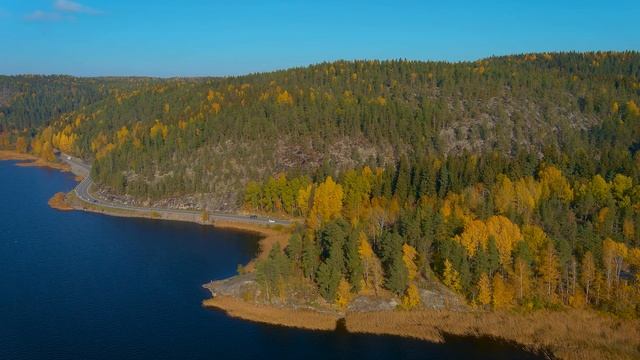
(82, 192)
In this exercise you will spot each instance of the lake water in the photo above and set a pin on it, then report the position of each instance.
(78, 285)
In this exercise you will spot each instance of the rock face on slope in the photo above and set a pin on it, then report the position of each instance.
(433, 295)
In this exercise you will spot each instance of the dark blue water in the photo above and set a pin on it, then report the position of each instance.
(77, 285)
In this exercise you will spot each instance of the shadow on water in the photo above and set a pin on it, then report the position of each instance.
(381, 346)
(341, 326)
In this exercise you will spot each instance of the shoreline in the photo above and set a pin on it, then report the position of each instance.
(59, 202)
(272, 315)
(563, 334)
(268, 235)
(566, 333)
(29, 160)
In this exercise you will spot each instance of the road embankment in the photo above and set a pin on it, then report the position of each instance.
(269, 234)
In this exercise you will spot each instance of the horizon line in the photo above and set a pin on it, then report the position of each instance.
(275, 70)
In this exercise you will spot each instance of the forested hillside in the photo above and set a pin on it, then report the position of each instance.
(210, 136)
(32, 101)
(516, 180)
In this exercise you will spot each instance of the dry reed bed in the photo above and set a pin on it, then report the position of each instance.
(304, 319)
(570, 334)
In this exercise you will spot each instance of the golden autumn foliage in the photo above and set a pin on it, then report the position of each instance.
(502, 293)
(633, 108)
(36, 146)
(159, 129)
(46, 134)
(521, 279)
(484, 290)
(343, 297)
(21, 144)
(555, 184)
(503, 194)
(46, 153)
(122, 135)
(380, 100)
(98, 142)
(284, 98)
(613, 256)
(599, 188)
(549, 271)
(527, 195)
(628, 228)
(303, 198)
(536, 240)
(411, 298)
(451, 277)
(620, 185)
(408, 258)
(105, 150)
(459, 206)
(477, 233)
(506, 235)
(372, 269)
(327, 203)
(65, 139)
(615, 107)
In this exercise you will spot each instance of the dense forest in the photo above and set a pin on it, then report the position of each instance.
(515, 180)
(207, 137)
(28, 102)
(529, 237)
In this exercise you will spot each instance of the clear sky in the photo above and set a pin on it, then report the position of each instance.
(208, 37)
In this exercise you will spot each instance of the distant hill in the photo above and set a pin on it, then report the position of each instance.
(31, 101)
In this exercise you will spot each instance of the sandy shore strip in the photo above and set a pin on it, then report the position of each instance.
(32, 161)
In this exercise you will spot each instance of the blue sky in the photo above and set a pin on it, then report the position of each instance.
(207, 37)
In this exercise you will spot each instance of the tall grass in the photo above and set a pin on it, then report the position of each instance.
(568, 334)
